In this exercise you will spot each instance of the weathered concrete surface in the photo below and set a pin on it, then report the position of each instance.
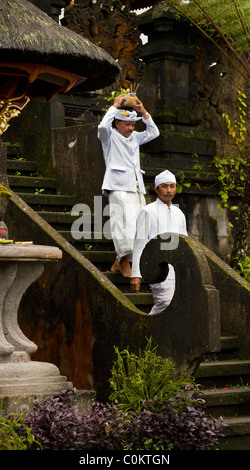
(79, 167)
(16, 403)
(32, 252)
(24, 378)
(234, 302)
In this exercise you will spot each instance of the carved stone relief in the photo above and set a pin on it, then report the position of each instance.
(214, 90)
(113, 27)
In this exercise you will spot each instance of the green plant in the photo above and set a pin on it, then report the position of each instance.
(226, 24)
(182, 181)
(5, 192)
(15, 434)
(232, 170)
(179, 424)
(244, 268)
(39, 191)
(233, 177)
(56, 422)
(122, 91)
(149, 445)
(88, 247)
(136, 378)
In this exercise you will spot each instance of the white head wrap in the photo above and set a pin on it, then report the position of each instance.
(164, 177)
(125, 115)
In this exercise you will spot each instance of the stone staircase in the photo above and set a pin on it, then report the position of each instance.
(225, 386)
(225, 379)
(41, 194)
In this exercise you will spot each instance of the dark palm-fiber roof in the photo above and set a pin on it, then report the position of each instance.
(29, 35)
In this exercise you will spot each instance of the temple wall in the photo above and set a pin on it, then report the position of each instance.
(186, 85)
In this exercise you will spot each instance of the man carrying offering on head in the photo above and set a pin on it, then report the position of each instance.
(123, 179)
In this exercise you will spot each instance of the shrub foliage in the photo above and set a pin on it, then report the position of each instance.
(149, 409)
(181, 424)
(138, 378)
(14, 433)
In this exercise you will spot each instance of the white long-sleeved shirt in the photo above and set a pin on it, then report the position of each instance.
(154, 219)
(122, 154)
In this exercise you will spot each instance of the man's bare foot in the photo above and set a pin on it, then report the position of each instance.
(122, 266)
(116, 268)
(125, 266)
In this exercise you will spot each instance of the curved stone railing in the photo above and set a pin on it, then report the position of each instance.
(191, 323)
(77, 316)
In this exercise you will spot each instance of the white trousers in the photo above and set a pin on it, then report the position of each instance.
(163, 292)
(124, 208)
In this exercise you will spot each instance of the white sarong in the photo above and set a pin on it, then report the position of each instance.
(124, 208)
(163, 292)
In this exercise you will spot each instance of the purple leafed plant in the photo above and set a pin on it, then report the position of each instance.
(57, 424)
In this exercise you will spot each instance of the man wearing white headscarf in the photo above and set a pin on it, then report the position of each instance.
(123, 179)
(154, 219)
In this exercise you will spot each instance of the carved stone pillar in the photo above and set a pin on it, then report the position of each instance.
(168, 53)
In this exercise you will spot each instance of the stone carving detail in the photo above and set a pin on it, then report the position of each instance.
(114, 28)
(213, 91)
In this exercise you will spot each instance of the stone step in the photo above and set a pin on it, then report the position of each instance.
(229, 349)
(23, 166)
(224, 369)
(242, 424)
(90, 237)
(226, 392)
(31, 183)
(123, 283)
(99, 256)
(116, 278)
(227, 402)
(221, 374)
(236, 434)
(48, 201)
(140, 299)
(229, 342)
(63, 218)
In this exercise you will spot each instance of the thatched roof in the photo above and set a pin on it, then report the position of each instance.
(29, 35)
